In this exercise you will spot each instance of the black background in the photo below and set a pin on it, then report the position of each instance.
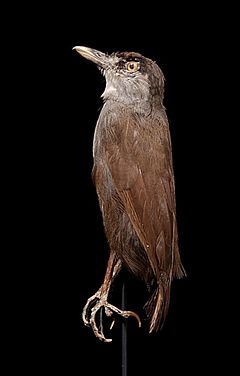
(59, 227)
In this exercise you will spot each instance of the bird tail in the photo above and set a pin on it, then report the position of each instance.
(157, 306)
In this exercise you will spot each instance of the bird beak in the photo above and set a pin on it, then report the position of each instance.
(97, 57)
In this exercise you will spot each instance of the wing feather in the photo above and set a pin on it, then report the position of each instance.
(141, 168)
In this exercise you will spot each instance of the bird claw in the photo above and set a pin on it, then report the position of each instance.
(109, 311)
(112, 324)
(86, 307)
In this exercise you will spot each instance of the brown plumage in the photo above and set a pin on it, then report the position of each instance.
(134, 179)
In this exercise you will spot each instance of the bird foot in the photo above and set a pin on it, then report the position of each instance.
(100, 302)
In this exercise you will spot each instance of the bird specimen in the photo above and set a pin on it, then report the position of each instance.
(134, 179)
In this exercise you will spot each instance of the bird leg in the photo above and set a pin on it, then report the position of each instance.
(99, 301)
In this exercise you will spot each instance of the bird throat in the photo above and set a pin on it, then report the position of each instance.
(133, 92)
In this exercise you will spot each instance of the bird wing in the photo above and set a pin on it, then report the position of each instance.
(140, 164)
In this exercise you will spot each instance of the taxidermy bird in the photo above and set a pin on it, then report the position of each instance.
(134, 179)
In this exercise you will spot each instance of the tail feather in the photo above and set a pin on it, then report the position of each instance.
(157, 307)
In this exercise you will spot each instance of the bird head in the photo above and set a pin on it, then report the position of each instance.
(130, 77)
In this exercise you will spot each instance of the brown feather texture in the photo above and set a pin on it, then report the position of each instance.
(133, 175)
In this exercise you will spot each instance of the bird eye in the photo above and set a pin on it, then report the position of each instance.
(133, 66)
